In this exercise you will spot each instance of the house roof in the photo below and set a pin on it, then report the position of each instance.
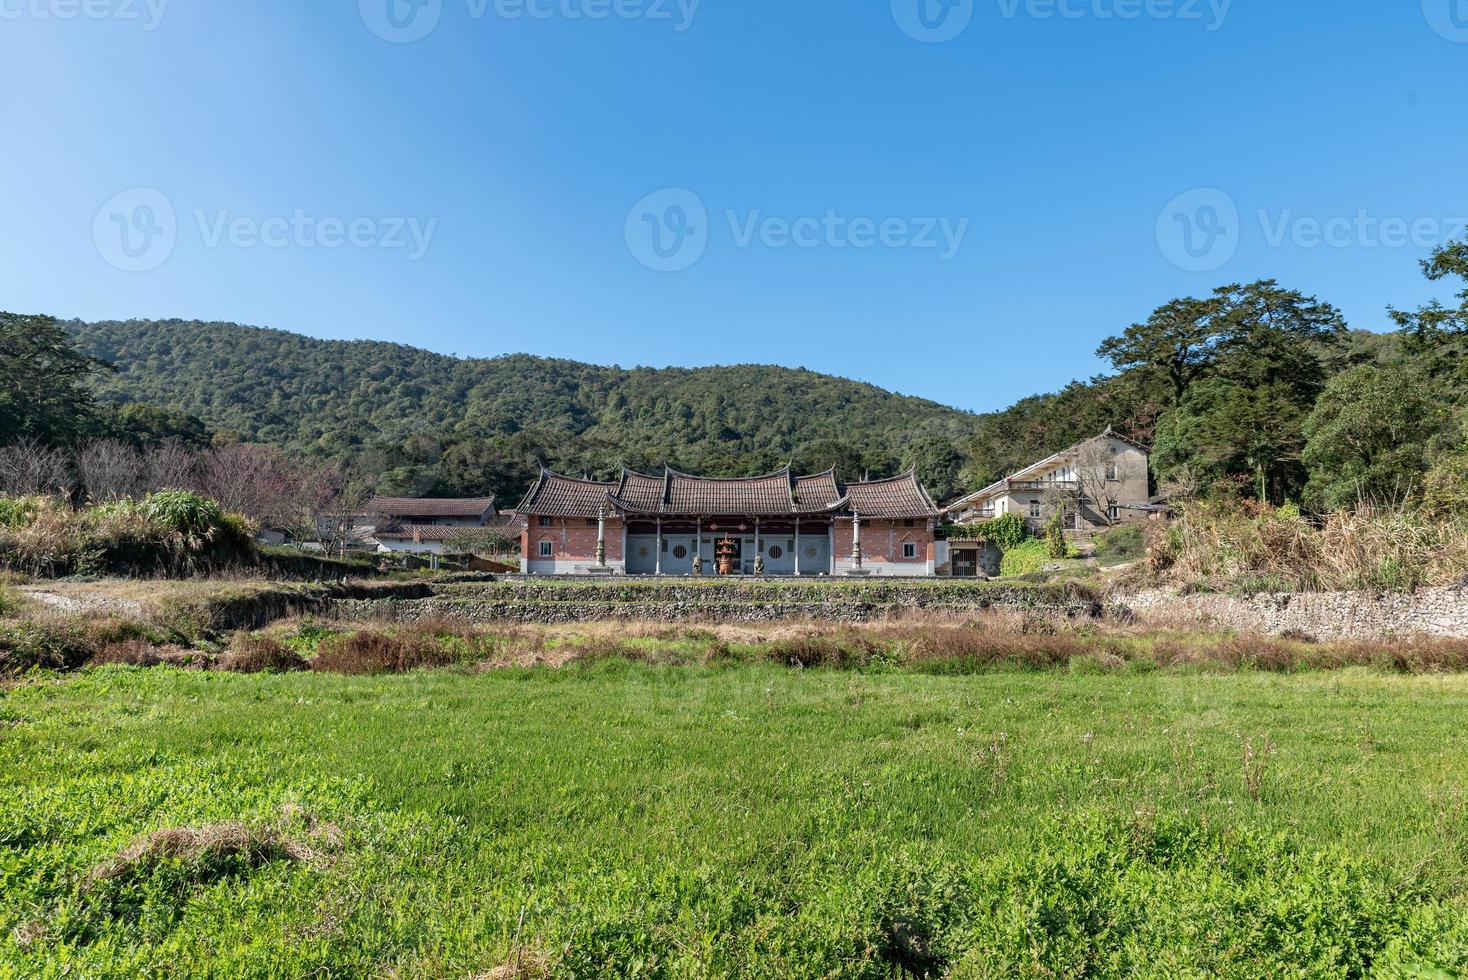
(553, 495)
(816, 494)
(778, 494)
(901, 496)
(1038, 467)
(425, 507)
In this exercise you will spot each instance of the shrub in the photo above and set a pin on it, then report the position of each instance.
(1025, 559)
(19, 511)
(252, 654)
(170, 533)
(1055, 542)
(1003, 532)
(1246, 547)
(131, 653)
(370, 652)
(44, 646)
(1121, 544)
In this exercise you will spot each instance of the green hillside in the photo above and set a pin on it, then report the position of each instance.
(409, 406)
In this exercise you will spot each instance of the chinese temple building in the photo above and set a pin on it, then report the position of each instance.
(679, 524)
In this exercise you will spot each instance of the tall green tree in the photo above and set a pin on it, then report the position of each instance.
(1176, 344)
(43, 382)
(1435, 322)
(1368, 436)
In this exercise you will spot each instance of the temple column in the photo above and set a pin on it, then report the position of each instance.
(698, 543)
(601, 538)
(797, 547)
(756, 540)
(856, 539)
(658, 548)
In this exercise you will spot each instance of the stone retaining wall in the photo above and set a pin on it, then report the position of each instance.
(1321, 615)
(674, 604)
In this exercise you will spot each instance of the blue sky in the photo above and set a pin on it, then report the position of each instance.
(493, 186)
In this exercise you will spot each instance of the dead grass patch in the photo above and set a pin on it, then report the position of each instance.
(137, 652)
(372, 652)
(254, 654)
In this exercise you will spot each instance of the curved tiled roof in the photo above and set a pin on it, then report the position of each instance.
(778, 494)
(642, 492)
(819, 493)
(755, 496)
(901, 496)
(554, 495)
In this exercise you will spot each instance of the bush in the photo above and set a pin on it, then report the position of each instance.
(252, 654)
(1121, 544)
(1246, 547)
(43, 646)
(1003, 532)
(170, 533)
(19, 511)
(1025, 559)
(370, 652)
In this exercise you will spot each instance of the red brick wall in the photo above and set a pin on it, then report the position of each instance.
(572, 538)
(881, 541)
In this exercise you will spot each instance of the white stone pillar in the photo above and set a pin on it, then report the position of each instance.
(797, 546)
(601, 538)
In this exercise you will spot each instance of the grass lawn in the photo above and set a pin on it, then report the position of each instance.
(630, 820)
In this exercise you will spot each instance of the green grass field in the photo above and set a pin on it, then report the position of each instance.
(629, 820)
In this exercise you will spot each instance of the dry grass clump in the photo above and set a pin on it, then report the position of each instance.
(525, 965)
(843, 647)
(1254, 548)
(254, 654)
(214, 847)
(373, 652)
(138, 652)
(1415, 655)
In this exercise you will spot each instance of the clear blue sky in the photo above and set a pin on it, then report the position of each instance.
(1060, 140)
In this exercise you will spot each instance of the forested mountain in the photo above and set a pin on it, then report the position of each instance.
(1252, 390)
(432, 422)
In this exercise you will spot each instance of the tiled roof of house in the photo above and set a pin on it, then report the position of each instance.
(554, 495)
(474, 507)
(817, 494)
(643, 492)
(778, 494)
(755, 496)
(901, 496)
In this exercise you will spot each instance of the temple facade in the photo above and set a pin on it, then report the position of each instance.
(680, 524)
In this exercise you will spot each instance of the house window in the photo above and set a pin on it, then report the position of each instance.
(1113, 512)
(547, 549)
(776, 551)
(545, 522)
(680, 552)
(909, 549)
(1111, 472)
(1035, 511)
(911, 522)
